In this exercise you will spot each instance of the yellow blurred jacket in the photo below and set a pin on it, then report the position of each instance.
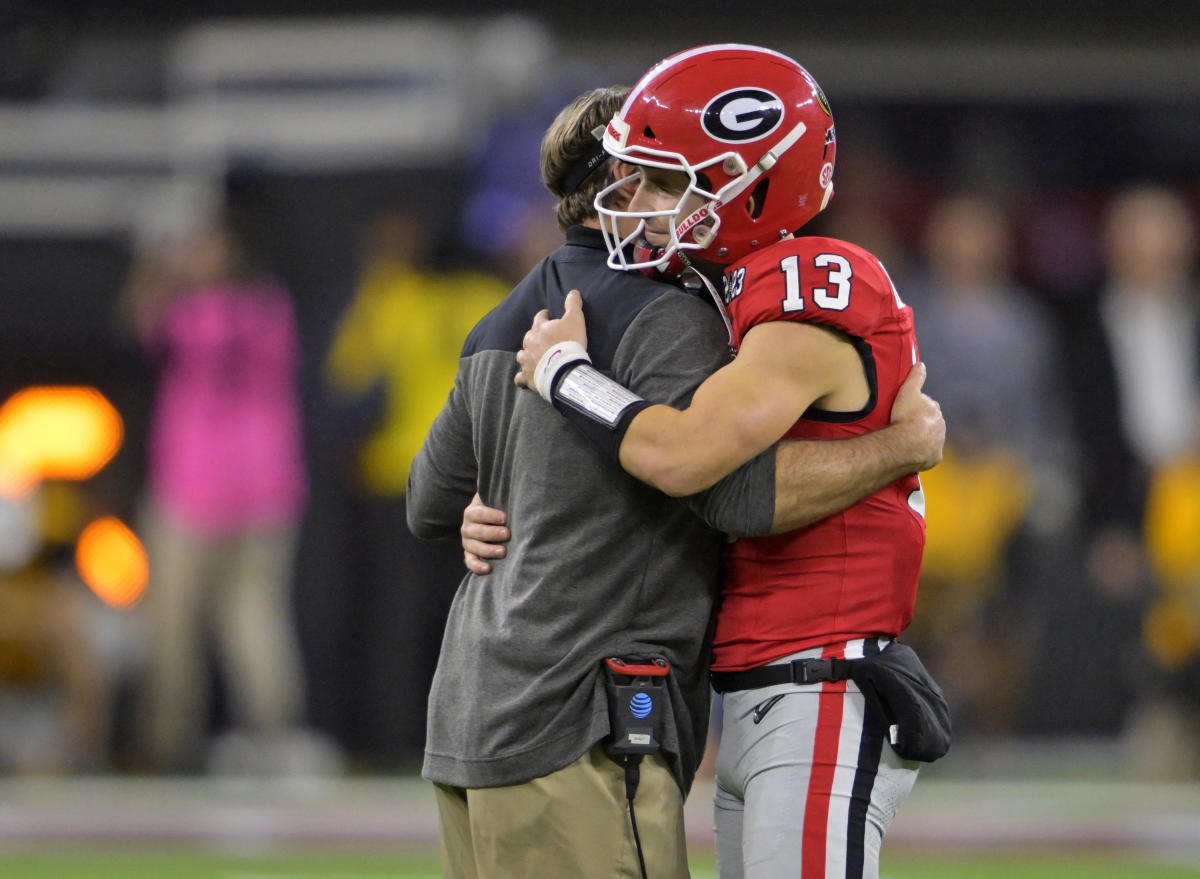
(1172, 623)
(974, 504)
(405, 328)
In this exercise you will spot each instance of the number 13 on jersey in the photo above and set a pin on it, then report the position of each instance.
(835, 297)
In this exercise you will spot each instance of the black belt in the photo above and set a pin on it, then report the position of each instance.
(798, 671)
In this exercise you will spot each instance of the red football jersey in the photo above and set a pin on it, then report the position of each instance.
(854, 574)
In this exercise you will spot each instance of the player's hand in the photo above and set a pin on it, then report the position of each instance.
(920, 416)
(546, 332)
(483, 535)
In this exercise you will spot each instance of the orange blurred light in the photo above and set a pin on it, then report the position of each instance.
(112, 561)
(56, 433)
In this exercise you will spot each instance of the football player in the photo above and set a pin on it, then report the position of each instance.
(736, 147)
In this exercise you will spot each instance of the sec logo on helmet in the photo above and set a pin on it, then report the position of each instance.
(742, 115)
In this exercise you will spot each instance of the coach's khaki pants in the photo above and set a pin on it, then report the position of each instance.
(571, 823)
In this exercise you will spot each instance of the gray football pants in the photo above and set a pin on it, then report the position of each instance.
(809, 790)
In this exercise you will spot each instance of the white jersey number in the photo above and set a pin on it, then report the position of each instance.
(835, 297)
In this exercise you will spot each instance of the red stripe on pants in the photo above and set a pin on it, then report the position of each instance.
(820, 780)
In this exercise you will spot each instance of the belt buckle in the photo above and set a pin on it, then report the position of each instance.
(810, 671)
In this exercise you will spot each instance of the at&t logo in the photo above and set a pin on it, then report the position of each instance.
(641, 705)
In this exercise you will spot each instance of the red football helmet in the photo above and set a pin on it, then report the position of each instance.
(753, 132)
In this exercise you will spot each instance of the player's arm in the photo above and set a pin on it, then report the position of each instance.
(782, 368)
(813, 478)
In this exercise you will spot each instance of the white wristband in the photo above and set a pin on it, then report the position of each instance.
(555, 358)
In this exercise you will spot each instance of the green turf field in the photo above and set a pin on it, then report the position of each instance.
(190, 864)
(1033, 866)
(102, 828)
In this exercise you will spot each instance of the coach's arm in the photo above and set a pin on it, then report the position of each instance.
(443, 476)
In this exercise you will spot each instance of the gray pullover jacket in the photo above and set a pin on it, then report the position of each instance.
(599, 564)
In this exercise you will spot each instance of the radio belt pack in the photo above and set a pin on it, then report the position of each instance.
(637, 697)
(637, 694)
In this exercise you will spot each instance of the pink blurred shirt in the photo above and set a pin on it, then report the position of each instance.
(226, 449)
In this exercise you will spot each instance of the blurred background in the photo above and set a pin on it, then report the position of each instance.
(240, 246)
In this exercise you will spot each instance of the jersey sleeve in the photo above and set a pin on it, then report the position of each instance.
(822, 280)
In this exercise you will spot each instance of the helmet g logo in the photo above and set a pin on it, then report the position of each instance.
(742, 115)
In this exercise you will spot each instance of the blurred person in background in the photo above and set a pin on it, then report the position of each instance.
(1130, 355)
(58, 676)
(226, 489)
(1164, 730)
(389, 369)
(1146, 328)
(1149, 313)
(998, 491)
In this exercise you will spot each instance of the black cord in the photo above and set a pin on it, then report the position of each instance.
(632, 777)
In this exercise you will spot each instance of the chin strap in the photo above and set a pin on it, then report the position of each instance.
(716, 298)
(671, 270)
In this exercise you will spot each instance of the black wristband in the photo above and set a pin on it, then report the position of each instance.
(606, 439)
(605, 430)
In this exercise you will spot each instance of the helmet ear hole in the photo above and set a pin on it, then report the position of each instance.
(758, 199)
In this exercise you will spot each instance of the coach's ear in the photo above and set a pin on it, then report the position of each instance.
(631, 174)
(621, 170)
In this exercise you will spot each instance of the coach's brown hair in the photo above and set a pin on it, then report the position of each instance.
(568, 140)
